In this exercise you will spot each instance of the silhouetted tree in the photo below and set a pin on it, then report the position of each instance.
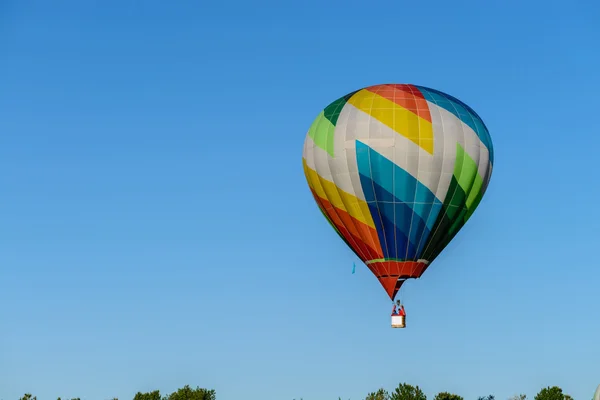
(488, 397)
(552, 393)
(447, 396)
(187, 393)
(381, 394)
(155, 395)
(404, 391)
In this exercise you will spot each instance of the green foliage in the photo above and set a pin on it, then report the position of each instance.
(381, 394)
(155, 395)
(447, 396)
(404, 391)
(184, 393)
(552, 393)
(187, 393)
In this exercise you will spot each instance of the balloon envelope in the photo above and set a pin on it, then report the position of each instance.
(397, 170)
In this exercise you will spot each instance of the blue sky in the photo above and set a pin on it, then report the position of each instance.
(156, 229)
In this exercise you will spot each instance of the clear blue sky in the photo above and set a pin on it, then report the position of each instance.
(156, 229)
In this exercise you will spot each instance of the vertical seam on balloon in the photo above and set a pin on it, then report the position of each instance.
(380, 241)
(443, 214)
(440, 246)
(358, 230)
(414, 202)
(426, 219)
(375, 241)
(394, 174)
(481, 146)
(441, 147)
(416, 256)
(486, 132)
(481, 189)
(316, 198)
(459, 215)
(487, 178)
(370, 118)
(475, 175)
(351, 238)
(356, 247)
(443, 211)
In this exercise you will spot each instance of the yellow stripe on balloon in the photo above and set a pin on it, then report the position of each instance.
(398, 118)
(357, 208)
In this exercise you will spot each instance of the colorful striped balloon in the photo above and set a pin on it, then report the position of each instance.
(397, 170)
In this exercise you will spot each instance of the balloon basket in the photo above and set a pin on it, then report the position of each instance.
(398, 321)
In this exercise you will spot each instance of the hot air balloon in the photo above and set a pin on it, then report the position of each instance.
(397, 170)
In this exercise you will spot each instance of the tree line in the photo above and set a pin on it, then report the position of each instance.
(404, 391)
(184, 393)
